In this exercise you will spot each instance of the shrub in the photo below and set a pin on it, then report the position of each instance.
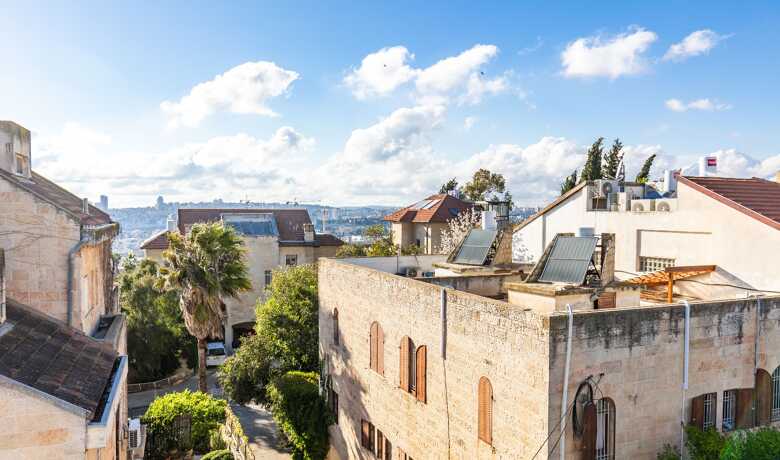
(215, 440)
(669, 452)
(762, 444)
(301, 413)
(207, 414)
(223, 454)
(245, 375)
(704, 445)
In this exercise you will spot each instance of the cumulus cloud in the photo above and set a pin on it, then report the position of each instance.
(383, 71)
(733, 163)
(706, 105)
(695, 44)
(243, 89)
(611, 57)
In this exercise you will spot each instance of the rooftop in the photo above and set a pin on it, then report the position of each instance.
(157, 241)
(51, 357)
(758, 198)
(438, 208)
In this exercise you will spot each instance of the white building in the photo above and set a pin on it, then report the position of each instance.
(728, 222)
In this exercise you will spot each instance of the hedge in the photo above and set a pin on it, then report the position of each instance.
(207, 414)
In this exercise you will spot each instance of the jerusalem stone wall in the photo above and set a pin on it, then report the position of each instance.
(640, 353)
(34, 428)
(507, 344)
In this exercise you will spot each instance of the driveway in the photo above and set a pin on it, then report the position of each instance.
(260, 428)
(137, 403)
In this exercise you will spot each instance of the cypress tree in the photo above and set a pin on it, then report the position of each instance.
(644, 173)
(592, 168)
(569, 182)
(612, 160)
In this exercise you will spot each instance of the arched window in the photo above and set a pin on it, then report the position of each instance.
(485, 410)
(377, 351)
(421, 363)
(335, 326)
(406, 365)
(605, 429)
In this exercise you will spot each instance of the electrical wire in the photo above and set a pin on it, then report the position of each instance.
(566, 414)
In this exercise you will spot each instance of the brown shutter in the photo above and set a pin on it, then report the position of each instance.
(403, 368)
(697, 412)
(380, 350)
(388, 450)
(364, 433)
(373, 346)
(607, 300)
(744, 418)
(336, 326)
(485, 411)
(380, 444)
(589, 432)
(401, 454)
(763, 397)
(422, 352)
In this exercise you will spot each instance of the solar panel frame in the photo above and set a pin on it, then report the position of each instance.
(569, 260)
(475, 247)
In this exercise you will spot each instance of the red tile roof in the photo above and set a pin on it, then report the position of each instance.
(49, 191)
(289, 222)
(438, 208)
(156, 241)
(758, 198)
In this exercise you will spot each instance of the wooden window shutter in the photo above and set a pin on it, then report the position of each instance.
(380, 350)
(763, 397)
(373, 346)
(336, 326)
(607, 300)
(422, 352)
(401, 454)
(380, 444)
(744, 417)
(697, 412)
(388, 450)
(403, 368)
(485, 411)
(589, 432)
(364, 433)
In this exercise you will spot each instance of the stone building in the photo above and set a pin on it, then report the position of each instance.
(422, 223)
(473, 366)
(274, 238)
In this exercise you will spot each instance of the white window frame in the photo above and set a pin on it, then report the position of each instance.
(605, 429)
(729, 410)
(709, 410)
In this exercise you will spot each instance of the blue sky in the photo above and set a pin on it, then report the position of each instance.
(521, 88)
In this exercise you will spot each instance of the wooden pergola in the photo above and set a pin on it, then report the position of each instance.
(668, 276)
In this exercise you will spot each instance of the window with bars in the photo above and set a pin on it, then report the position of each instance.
(291, 260)
(333, 401)
(654, 264)
(605, 429)
(709, 410)
(268, 277)
(729, 409)
(776, 395)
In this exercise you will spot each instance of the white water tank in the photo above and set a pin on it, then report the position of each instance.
(489, 220)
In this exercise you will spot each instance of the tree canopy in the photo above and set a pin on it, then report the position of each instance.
(644, 173)
(592, 168)
(612, 160)
(449, 186)
(569, 182)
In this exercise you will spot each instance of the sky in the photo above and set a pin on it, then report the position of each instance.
(380, 103)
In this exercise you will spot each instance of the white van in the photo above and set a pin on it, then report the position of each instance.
(215, 354)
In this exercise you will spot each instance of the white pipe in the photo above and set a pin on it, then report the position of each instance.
(685, 372)
(758, 332)
(565, 395)
(443, 314)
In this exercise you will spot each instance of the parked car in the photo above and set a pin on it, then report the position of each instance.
(215, 354)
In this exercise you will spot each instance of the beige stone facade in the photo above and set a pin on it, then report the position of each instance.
(632, 356)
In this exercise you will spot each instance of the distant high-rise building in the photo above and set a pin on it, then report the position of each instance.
(160, 202)
(103, 203)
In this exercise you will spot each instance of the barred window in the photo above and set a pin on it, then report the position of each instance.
(776, 395)
(729, 409)
(709, 410)
(268, 276)
(291, 260)
(653, 264)
(605, 429)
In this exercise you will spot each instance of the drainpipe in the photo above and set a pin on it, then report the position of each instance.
(443, 314)
(565, 395)
(758, 332)
(685, 372)
(71, 256)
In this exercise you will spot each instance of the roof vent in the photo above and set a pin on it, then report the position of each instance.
(85, 206)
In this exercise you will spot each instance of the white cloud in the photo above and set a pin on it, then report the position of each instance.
(469, 123)
(732, 163)
(611, 57)
(699, 42)
(707, 105)
(243, 89)
(531, 49)
(381, 72)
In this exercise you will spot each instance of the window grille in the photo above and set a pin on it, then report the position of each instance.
(291, 260)
(776, 395)
(729, 409)
(654, 264)
(268, 277)
(605, 430)
(709, 411)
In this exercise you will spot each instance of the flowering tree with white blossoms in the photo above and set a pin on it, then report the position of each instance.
(457, 229)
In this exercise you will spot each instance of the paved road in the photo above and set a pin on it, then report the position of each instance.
(260, 428)
(138, 402)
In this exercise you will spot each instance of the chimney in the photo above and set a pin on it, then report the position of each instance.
(308, 233)
(171, 223)
(85, 206)
(2, 285)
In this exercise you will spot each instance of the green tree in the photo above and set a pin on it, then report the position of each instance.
(762, 444)
(449, 186)
(376, 231)
(156, 336)
(592, 168)
(206, 411)
(644, 173)
(569, 182)
(205, 266)
(245, 375)
(612, 160)
(485, 185)
(288, 320)
(351, 250)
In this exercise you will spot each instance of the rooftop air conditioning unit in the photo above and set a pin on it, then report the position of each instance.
(644, 205)
(604, 188)
(666, 204)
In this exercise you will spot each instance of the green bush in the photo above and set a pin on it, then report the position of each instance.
(669, 452)
(762, 444)
(704, 445)
(207, 414)
(245, 375)
(223, 454)
(301, 414)
(215, 440)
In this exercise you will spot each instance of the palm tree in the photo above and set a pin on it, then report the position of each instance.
(205, 266)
